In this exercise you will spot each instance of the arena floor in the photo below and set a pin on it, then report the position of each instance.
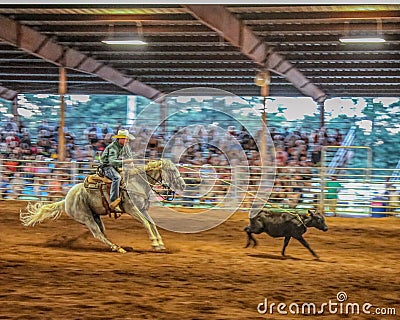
(57, 270)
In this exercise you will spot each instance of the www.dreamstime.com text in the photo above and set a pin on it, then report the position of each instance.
(338, 306)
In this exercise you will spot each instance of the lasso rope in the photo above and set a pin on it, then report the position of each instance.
(254, 195)
(157, 165)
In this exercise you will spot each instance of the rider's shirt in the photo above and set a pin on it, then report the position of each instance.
(111, 155)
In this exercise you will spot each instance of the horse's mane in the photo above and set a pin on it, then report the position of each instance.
(163, 163)
(153, 165)
(159, 171)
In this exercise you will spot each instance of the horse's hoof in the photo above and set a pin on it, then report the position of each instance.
(118, 249)
(159, 248)
(121, 250)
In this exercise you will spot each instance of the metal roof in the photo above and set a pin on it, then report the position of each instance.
(186, 51)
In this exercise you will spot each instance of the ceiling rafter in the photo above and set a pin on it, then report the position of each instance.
(184, 52)
(239, 35)
(44, 47)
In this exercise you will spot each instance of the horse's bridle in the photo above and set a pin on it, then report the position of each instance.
(170, 193)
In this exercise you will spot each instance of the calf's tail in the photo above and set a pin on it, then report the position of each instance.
(250, 237)
(38, 212)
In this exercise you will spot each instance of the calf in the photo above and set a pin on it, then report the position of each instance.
(285, 224)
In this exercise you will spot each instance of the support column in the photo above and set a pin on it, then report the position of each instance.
(62, 90)
(264, 94)
(321, 114)
(263, 80)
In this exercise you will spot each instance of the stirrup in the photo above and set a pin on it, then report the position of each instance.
(114, 204)
(115, 208)
(117, 212)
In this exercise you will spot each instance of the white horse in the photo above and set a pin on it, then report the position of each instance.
(86, 205)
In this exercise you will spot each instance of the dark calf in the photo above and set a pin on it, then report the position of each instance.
(285, 224)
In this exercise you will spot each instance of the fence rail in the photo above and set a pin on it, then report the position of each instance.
(297, 188)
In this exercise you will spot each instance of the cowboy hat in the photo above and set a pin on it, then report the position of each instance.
(123, 134)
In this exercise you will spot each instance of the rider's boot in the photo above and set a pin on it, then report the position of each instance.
(118, 212)
(114, 206)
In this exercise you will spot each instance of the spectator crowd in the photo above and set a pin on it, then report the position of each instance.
(32, 161)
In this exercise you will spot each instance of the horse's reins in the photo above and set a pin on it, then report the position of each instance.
(155, 182)
(256, 197)
(170, 192)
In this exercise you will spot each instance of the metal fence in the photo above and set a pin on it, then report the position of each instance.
(347, 192)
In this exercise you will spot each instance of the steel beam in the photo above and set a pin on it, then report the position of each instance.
(50, 50)
(219, 19)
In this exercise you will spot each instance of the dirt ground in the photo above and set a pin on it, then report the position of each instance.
(57, 270)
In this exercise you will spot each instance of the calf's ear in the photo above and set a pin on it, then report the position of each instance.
(312, 212)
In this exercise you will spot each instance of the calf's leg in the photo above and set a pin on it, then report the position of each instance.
(250, 237)
(305, 243)
(285, 244)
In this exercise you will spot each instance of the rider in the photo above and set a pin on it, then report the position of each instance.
(111, 162)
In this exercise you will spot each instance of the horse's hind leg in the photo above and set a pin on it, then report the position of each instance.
(97, 230)
(99, 222)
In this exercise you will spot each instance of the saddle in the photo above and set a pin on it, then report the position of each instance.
(94, 181)
(102, 184)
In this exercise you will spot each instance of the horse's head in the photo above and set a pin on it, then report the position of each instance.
(164, 172)
(171, 176)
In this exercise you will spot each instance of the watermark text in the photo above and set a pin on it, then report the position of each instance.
(338, 306)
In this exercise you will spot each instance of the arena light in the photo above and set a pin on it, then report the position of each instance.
(362, 40)
(136, 39)
(125, 41)
(366, 37)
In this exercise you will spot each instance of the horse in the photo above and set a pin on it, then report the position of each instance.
(86, 205)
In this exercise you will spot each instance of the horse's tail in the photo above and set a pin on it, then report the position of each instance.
(38, 212)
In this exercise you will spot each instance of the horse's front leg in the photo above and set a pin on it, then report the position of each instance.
(155, 237)
(160, 244)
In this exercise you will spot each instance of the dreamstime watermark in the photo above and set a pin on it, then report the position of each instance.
(338, 306)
